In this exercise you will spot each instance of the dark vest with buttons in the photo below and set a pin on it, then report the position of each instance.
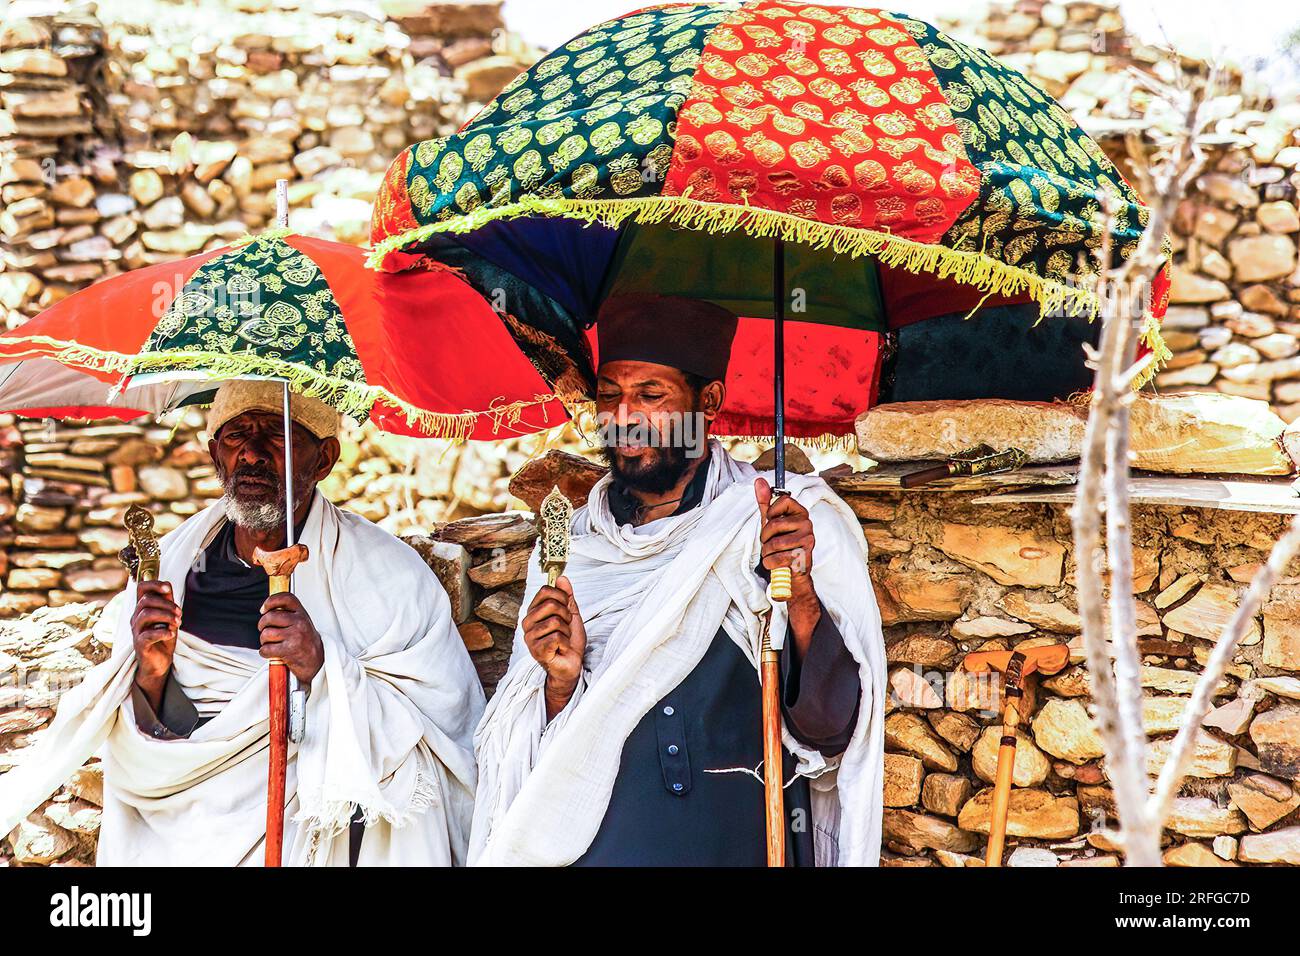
(681, 797)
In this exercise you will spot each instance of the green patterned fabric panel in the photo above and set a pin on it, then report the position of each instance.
(264, 299)
(592, 120)
(1039, 171)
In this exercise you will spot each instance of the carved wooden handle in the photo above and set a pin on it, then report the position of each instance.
(279, 564)
(781, 584)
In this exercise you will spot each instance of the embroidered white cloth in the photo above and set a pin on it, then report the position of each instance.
(390, 719)
(652, 599)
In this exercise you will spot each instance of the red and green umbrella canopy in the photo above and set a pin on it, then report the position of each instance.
(909, 175)
(280, 306)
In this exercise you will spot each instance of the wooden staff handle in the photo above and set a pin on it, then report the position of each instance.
(1015, 666)
(276, 780)
(781, 584)
(278, 684)
(773, 753)
(923, 477)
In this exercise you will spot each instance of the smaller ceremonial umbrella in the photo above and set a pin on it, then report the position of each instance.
(305, 312)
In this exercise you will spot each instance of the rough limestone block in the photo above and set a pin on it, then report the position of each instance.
(910, 431)
(1202, 432)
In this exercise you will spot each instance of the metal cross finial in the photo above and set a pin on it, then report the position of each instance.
(555, 515)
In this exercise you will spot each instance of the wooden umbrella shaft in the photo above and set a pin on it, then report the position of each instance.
(773, 754)
(278, 687)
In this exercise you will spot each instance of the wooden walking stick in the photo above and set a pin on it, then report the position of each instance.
(279, 566)
(1014, 666)
(779, 588)
(773, 752)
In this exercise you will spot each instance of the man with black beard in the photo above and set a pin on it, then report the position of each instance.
(627, 730)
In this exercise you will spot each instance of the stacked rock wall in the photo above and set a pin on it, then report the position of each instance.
(153, 129)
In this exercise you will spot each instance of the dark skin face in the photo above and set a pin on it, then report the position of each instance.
(251, 448)
(635, 392)
(630, 392)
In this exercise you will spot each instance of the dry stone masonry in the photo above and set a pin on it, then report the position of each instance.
(148, 130)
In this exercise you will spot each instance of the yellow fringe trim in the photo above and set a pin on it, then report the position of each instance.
(968, 268)
(268, 235)
(354, 399)
(1150, 337)
(828, 443)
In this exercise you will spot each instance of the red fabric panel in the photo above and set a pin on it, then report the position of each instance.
(89, 412)
(392, 214)
(114, 315)
(831, 114)
(1160, 292)
(831, 377)
(434, 342)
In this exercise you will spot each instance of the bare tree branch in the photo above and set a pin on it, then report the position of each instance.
(1104, 488)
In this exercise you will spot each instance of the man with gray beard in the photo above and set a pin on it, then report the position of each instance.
(385, 772)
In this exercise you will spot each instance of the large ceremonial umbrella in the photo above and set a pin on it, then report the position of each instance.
(894, 174)
(852, 170)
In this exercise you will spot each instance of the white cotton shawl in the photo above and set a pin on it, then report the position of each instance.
(390, 718)
(652, 599)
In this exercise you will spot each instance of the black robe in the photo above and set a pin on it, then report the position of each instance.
(669, 805)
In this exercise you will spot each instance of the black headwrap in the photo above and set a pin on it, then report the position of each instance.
(685, 334)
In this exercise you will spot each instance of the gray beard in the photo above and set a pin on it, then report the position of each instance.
(261, 518)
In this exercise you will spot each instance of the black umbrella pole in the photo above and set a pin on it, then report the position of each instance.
(778, 363)
(781, 577)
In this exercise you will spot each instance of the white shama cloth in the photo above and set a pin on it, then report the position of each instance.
(652, 599)
(390, 718)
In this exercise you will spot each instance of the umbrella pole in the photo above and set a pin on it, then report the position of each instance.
(779, 589)
(297, 695)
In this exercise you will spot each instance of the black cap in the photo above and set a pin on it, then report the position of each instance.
(686, 334)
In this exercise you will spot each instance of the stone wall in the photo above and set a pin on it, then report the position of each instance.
(154, 129)
(1234, 317)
